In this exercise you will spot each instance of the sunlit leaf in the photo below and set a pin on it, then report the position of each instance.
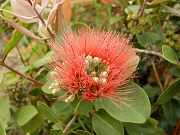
(2, 129)
(169, 54)
(16, 37)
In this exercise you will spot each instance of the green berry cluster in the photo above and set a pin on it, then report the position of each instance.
(172, 39)
(137, 24)
(18, 94)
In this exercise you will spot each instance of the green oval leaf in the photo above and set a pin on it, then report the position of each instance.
(56, 132)
(25, 114)
(169, 92)
(169, 54)
(3, 123)
(44, 60)
(62, 108)
(2, 129)
(47, 112)
(143, 129)
(171, 111)
(81, 132)
(45, 88)
(154, 2)
(147, 39)
(104, 124)
(82, 107)
(33, 124)
(135, 110)
(175, 71)
(97, 105)
(4, 108)
(16, 37)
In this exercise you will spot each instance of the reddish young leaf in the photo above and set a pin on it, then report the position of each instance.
(37, 1)
(63, 16)
(22, 30)
(106, 1)
(66, 11)
(24, 8)
(60, 14)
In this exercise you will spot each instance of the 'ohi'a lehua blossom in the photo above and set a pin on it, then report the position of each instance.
(92, 64)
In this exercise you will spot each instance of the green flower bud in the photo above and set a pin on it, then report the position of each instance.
(166, 40)
(171, 43)
(170, 32)
(175, 37)
(177, 46)
(142, 21)
(134, 16)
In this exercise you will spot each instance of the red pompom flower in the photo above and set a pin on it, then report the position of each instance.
(92, 64)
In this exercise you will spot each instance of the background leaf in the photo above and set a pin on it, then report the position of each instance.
(33, 124)
(47, 112)
(25, 114)
(149, 128)
(147, 39)
(171, 111)
(169, 92)
(4, 108)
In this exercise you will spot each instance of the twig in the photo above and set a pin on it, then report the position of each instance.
(21, 74)
(83, 126)
(43, 22)
(21, 58)
(177, 128)
(157, 77)
(30, 2)
(150, 52)
(141, 12)
(70, 123)
(47, 101)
